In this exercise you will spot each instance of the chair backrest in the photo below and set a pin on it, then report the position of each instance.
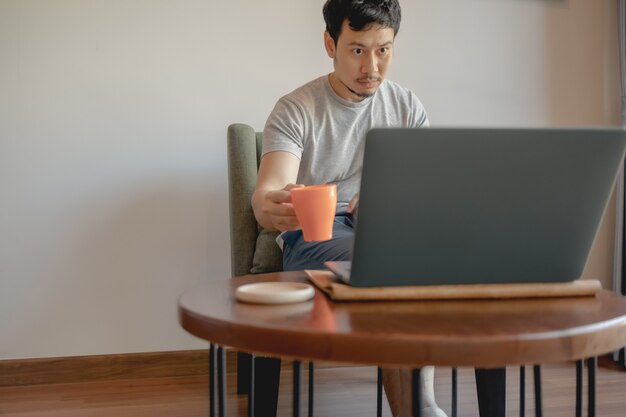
(253, 249)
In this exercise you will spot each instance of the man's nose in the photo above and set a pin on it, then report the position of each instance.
(370, 64)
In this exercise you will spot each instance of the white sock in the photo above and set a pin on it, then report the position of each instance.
(397, 384)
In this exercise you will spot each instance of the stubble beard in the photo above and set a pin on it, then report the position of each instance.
(361, 95)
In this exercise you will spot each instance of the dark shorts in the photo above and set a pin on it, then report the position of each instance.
(298, 254)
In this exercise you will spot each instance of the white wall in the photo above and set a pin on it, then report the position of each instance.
(113, 117)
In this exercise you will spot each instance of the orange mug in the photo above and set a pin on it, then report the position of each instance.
(315, 207)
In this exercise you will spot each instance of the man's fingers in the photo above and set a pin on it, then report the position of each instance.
(279, 196)
(282, 196)
(284, 223)
(285, 210)
(353, 204)
(279, 209)
(290, 186)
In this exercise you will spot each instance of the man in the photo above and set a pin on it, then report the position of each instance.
(316, 135)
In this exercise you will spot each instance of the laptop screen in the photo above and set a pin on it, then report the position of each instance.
(459, 206)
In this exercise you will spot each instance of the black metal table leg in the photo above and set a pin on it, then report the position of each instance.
(522, 391)
(579, 388)
(221, 380)
(455, 383)
(211, 380)
(311, 385)
(417, 392)
(297, 367)
(538, 402)
(252, 389)
(379, 392)
(592, 364)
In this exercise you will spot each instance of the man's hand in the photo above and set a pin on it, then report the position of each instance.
(353, 205)
(277, 208)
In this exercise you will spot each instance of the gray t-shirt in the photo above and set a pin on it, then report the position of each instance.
(328, 133)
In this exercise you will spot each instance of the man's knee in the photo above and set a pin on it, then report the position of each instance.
(298, 254)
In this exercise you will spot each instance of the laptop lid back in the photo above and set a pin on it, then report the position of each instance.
(459, 206)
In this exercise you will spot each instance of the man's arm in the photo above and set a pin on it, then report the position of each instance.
(271, 200)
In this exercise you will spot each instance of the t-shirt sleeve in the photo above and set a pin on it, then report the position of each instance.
(419, 115)
(284, 129)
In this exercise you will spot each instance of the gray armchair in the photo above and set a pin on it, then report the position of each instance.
(253, 251)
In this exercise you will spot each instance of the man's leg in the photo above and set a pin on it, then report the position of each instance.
(266, 383)
(299, 255)
(397, 384)
(491, 390)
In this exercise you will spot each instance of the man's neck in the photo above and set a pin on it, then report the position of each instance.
(343, 91)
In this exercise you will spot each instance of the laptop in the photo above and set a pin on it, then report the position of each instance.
(478, 206)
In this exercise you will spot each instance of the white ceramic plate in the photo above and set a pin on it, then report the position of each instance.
(275, 292)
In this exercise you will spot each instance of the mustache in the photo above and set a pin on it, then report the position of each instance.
(369, 79)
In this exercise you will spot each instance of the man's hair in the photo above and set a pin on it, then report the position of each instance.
(361, 14)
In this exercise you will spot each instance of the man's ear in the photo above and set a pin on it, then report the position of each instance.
(329, 44)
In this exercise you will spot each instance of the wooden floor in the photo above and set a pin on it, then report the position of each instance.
(340, 391)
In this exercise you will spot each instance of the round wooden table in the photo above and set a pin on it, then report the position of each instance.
(468, 333)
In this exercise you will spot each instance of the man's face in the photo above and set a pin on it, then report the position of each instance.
(361, 60)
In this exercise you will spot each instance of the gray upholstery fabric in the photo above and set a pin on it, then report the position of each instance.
(253, 250)
(267, 255)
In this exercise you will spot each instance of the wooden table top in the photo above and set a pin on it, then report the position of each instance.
(472, 333)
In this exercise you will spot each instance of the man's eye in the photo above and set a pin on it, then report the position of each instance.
(358, 51)
(383, 51)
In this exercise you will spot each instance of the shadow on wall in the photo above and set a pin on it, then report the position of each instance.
(581, 63)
